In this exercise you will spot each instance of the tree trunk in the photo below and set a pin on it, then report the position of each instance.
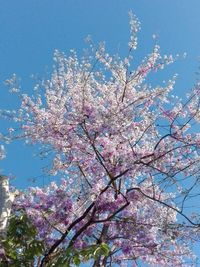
(6, 199)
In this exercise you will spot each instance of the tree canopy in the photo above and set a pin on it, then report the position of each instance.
(129, 156)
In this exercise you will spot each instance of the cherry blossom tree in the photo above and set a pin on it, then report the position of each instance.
(129, 156)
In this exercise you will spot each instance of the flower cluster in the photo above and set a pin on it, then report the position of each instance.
(143, 229)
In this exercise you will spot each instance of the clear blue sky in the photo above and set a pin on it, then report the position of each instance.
(31, 30)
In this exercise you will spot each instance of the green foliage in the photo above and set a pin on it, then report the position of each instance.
(71, 257)
(20, 245)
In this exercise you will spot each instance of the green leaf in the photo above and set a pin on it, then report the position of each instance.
(76, 260)
(105, 249)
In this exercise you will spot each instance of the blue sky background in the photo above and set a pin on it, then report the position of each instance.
(30, 31)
